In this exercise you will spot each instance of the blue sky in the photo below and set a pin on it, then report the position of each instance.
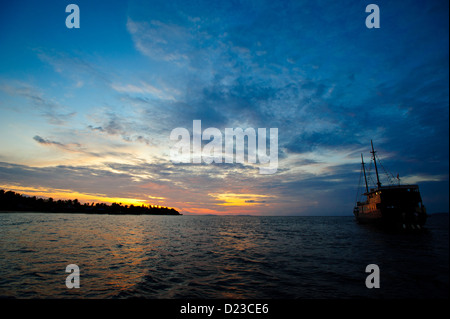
(88, 112)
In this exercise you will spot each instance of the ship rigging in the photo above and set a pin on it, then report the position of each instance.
(397, 206)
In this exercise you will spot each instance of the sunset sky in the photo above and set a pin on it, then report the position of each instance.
(87, 113)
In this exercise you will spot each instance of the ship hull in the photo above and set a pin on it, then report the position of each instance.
(393, 206)
(398, 206)
(391, 218)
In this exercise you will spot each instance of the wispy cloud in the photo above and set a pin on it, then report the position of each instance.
(41, 140)
(73, 66)
(53, 111)
(160, 41)
(145, 89)
(100, 117)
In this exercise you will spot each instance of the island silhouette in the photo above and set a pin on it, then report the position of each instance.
(12, 201)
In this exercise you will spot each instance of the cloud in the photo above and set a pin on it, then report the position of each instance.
(48, 108)
(87, 153)
(144, 89)
(160, 41)
(416, 179)
(257, 72)
(128, 130)
(310, 69)
(83, 179)
(40, 140)
(74, 67)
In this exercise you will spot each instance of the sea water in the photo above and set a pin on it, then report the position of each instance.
(174, 257)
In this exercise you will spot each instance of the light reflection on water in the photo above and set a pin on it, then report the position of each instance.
(215, 257)
(36, 248)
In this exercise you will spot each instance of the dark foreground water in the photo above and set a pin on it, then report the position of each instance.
(217, 257)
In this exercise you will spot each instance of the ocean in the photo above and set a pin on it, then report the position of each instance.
(218, 257)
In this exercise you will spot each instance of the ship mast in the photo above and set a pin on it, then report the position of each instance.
(364, 169)
(375, 162)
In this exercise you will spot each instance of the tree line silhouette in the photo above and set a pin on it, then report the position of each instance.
(11, 201)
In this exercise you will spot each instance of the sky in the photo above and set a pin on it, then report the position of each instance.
(87, 112)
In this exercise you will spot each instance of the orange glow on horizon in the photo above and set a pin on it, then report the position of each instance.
(228, 212)
(225, 203)
(65, 194)
(231, 199)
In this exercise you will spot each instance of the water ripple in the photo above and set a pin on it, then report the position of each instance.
(215, 257)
